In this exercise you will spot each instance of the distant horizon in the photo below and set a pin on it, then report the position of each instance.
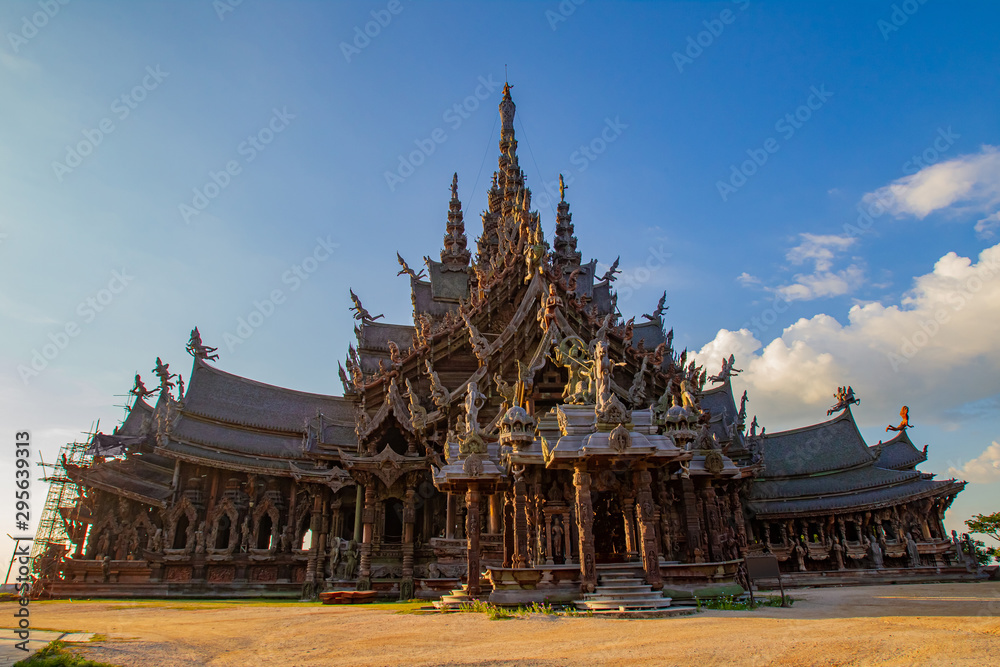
(816, 192)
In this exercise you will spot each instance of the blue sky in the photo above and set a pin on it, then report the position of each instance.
(647, 108)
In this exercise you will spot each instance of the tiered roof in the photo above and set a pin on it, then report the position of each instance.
(828, 468)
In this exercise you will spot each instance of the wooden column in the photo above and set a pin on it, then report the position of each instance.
(695, 553)
(508, 530)
(358, 504)
(628, 511)
(368, 519)
(585, 526)
(449, 521)
(472, 531)
(409, 516)
(548, 540)
(647, 527)
(520, 522)
(568, 536)
(496, 511)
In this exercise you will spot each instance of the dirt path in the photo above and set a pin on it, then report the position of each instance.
(934, 624)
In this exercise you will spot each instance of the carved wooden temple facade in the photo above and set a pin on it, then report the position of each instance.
(519, 436)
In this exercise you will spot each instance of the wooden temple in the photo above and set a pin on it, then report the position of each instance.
(519, 440)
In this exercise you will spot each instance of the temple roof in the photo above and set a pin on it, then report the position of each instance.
(224, 397)
(829, 468)
(899, 453)
(825, 447)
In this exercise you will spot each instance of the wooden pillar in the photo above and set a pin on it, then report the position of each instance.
(449, 521)
(628, 511)
(520, 522)
(568, 536)
(585, 521)
(358, 504)
(508, 530)
(472, 531)
(368, 519)
(647, 528)
(695, 553)
(409, 516)
(495, 513)
(548, 540)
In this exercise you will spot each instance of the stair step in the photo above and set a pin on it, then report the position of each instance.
(635, 595)
(650, 603)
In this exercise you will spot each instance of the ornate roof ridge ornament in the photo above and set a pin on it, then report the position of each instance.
(728, 369)
(198, 350)
(360, 312)
(455, 256)
(845, 399)
(903, 425)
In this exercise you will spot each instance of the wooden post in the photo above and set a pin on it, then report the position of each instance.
(585, 521)
(449, 528)
(650, 548)
(472, 531)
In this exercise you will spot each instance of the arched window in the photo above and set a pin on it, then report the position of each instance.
(264, 532)
(393, 533)
(222, 532)
(180, 532)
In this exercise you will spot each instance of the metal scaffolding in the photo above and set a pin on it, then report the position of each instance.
(60, 503)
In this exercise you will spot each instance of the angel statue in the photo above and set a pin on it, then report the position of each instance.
(845, 398)
(610, 274)
(139, 390)
(661, 307)
(903, 425)
(198, 350)
(360, 313)
(407, 270)
(728, 370)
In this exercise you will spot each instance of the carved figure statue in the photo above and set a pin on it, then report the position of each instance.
(394, 354)
(637, 392)
(106, 569)
(104, 544)
(474, 400)
(551, 303)
(876, 551)
(506, 392)
(728, 370)
(600, 374)
(480, 346)
(557, 538)
(334, 561)
(743, 407)
(198, 350)
(571, 355)
(661, 307)
(534, 254)
(562, 189)
(611, 272)
(407, 270)
(360, 313)
(199, 539)
(139, 389)
(418, 414)
(162, 371)
(688, 400)
(439, 394)
(753, 427)
(351, 560)
(845, 398)
(912, 551)
(157, 542)
(903, 425)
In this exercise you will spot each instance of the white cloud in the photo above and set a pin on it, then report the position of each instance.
(747, 280)
(986, 228)
(822, 281)
(983, 469)
(935, 351)
(970, 181)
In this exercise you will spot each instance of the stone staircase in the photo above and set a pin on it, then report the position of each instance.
(622, 587)
(460, 596)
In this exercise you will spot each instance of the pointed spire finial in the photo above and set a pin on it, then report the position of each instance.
(454, 186)
(562, 189)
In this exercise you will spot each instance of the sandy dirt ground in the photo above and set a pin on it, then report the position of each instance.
(932, 624)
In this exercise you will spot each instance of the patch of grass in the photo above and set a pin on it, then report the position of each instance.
(54, 654)
(731, 603)
(495, 613)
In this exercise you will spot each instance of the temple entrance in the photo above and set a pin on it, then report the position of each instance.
(609, 528)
